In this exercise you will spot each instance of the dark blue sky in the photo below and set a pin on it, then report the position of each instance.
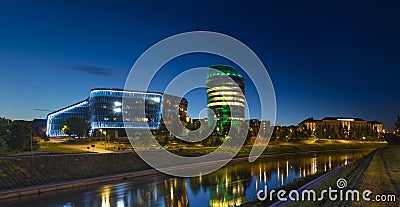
(325, 58)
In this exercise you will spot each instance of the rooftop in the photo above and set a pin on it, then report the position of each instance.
(225, 69)
(311, 119)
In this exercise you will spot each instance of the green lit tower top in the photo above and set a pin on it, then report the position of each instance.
(224, 96)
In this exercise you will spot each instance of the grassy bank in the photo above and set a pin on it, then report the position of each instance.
(382, 176)
(58, 148)
(82, 146)
(25, 171)
(352, 174)
(378, 172)
(274, 148)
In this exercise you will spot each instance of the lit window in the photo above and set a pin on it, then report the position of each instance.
(156, 99)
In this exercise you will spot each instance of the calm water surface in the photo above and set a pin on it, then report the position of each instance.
(229, 186)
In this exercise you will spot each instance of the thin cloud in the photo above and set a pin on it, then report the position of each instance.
(93, 70)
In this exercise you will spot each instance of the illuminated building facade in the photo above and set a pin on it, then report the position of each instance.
(224, 96)
(103, 110)
(255, 126)
(340, 124)
(55, 120)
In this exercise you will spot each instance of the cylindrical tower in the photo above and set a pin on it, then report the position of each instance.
(224, 96)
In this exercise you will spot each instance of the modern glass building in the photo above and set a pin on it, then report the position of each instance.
(224, 96)
(104, 110)
(55, 120)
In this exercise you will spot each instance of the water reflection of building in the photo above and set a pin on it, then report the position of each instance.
(229, 186)
(105, 197)
(236, 183)
(178, 195)
(170, 193)
(271, 173)
(225, 187)
(227, 191)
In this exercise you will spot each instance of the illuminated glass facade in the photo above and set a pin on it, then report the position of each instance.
(55, 121)
(224, 97)
(103, 110)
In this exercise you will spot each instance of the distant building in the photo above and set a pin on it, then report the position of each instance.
(224, 97)
(103, 110)
(197, 122)
(255, 126)
(341, 124)
(265, 126)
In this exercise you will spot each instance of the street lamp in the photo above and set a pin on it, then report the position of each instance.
(105, 137)
(101, 133)
(31, 142)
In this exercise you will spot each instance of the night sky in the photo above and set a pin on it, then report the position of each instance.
(325, 58)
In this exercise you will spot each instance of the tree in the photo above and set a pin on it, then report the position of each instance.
(319, 133)
(161, 135)
(358, 133)
(16, 136)
(21, 135)
(5, 134)
(397, 125)
(75, 126)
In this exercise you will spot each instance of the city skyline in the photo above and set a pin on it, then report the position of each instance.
(324, 59)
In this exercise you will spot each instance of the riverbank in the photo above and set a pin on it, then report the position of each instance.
(287, 147)
(382, 177)
(351, 173)
(19, 172)
(378, 172)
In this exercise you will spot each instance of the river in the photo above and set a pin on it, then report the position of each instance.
(229, 186)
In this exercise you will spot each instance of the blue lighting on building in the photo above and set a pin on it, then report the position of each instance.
(104, 110)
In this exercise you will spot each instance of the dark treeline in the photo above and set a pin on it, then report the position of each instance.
(15, 136)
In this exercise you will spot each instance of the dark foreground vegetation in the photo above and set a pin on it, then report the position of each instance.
(16, 136)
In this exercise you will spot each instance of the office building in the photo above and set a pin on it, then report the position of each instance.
(341, 125)
(103, 110)
(225, 96)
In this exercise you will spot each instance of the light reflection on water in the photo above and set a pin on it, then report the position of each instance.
(229, 186)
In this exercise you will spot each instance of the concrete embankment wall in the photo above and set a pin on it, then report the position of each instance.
(17, 172)
(19, 192)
